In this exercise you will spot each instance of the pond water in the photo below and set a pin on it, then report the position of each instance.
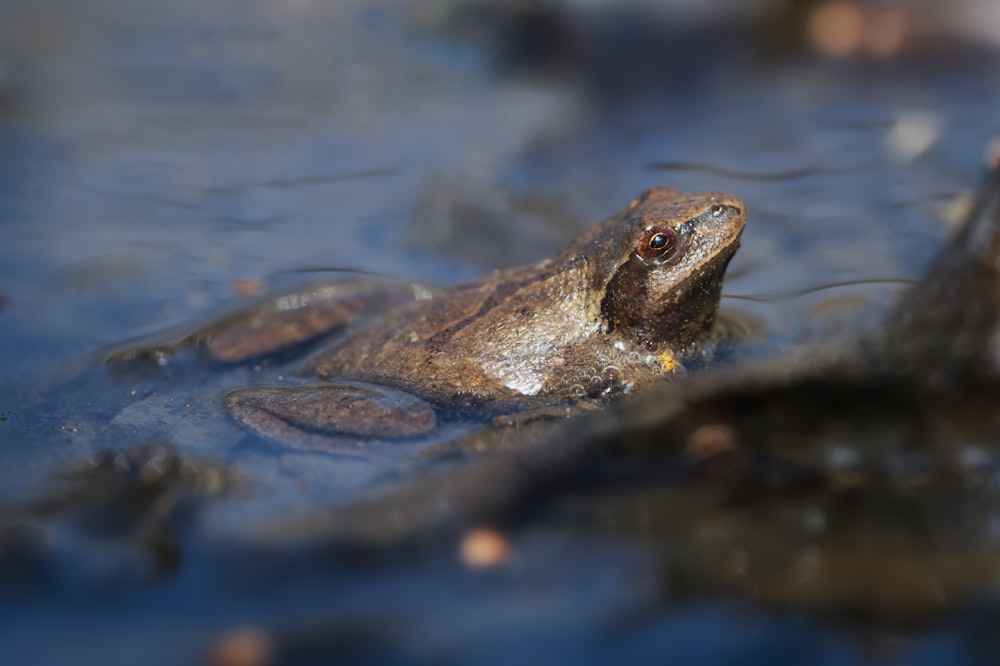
(156, 156)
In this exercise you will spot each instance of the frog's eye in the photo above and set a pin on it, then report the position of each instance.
(658, 244)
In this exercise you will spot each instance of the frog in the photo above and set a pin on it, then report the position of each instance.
(621, 308)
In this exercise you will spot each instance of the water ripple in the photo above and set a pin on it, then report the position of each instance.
(735, 174)
(783, 295)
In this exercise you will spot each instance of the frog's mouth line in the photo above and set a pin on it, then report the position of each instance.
(715, 266)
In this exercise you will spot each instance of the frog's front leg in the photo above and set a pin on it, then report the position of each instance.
(279, 323)
(325, 415)
(297, 318)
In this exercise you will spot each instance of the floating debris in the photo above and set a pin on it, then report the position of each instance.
(484, 548)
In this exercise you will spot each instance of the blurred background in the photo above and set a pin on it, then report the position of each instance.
(153, 153)
(158, 159)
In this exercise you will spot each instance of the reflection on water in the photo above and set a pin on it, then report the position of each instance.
(160, 161)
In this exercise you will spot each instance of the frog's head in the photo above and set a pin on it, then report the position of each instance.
(659, 264)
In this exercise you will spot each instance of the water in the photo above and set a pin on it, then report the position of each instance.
(154, 154)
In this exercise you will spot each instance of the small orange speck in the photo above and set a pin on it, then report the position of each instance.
(256, 368)
(666, 361)
(483, 548)
(993, 154)
(246, 646)
(711, 441)
(187, 405)
(835, 29)
(248, 286)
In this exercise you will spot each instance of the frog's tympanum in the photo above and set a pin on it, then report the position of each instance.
(617, 310)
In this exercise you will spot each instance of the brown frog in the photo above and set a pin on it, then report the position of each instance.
(619, 309)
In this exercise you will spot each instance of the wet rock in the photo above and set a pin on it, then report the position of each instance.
(120, 519)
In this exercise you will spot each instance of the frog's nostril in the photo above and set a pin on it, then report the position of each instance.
(728, 210)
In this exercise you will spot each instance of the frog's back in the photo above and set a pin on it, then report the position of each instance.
(517, 339)
(505, 340)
